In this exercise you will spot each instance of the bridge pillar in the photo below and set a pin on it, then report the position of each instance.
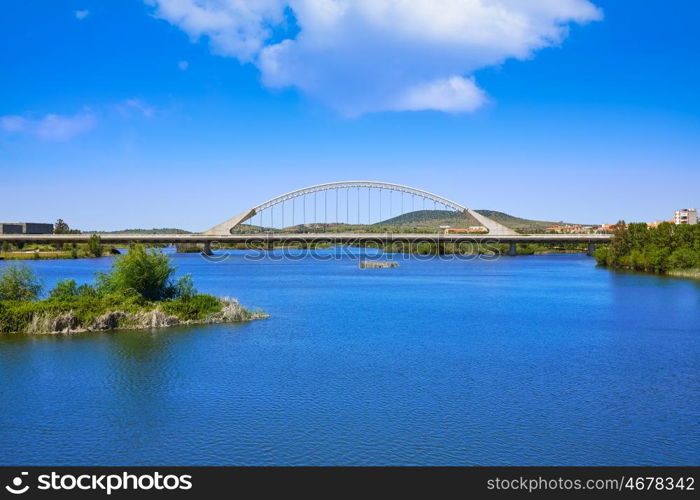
(513, 249)
(591, 249)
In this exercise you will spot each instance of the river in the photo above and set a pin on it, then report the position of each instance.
(540, 360)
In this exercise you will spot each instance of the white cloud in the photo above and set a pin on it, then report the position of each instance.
(361, 56)
(81, 14)
(128, 106)
(13, 123)
(50, 127)
(235, 27)
(183, 65)
(451, 95)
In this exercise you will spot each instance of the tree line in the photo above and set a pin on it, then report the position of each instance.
(666, 247)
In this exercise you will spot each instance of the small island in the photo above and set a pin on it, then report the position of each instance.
(377, 264)
(138, 292)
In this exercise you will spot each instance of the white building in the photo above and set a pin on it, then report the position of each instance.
(686, 216)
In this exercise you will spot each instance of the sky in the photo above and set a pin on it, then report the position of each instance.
(182, 113)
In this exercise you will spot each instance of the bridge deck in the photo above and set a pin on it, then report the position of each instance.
(125, 238)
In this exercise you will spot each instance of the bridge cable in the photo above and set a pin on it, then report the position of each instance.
(369, 205)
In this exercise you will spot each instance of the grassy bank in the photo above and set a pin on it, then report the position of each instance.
(37, 255)
(137, 293)
(32, 251)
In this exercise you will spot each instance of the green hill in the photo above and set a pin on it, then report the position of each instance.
(432, 219)
(418, 221)
(412, 222)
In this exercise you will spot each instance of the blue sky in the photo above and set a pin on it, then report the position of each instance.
(127, 113)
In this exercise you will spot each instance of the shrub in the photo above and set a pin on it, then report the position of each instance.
(94, 246)
(146, 273)
(657, 260)
(683, 258)
(601, 255)
(64, 290)
(18, 283)
(184, 288)
(86, 290)
(16, 316)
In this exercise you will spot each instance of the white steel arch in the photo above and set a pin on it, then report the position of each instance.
(357, 184)
(225, 227)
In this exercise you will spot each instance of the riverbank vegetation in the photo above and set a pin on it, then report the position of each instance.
(665, 249)
(34, 251)
(426, 247)
(138, 292)
(475, 248)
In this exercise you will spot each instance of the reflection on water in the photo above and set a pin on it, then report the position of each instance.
(530, 360)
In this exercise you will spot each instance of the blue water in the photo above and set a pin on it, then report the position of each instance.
(543, 360)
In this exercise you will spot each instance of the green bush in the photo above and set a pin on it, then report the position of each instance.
(684, 258)
(64, 290)
(16, 316)
(146, 273)
(94, 246)
(184, 288)
(601, 255)
(86, 290)
(18, 283)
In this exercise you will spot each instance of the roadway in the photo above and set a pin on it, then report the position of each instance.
(341, 238)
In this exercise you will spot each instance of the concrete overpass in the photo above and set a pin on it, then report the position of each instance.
(291, 238)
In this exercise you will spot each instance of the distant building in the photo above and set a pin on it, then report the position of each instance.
(466, 230)
(686, 216)
(607, 228)
(569, 229)
(10, 228)
(655, 224)
(25, 228)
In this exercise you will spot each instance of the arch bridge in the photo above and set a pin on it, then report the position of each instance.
(348, 204)
(341, 213)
